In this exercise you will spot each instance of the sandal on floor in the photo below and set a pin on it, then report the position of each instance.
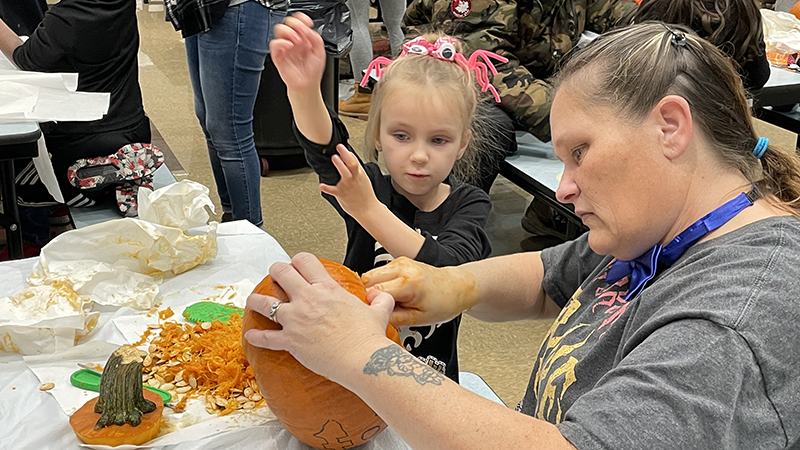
(130, 163)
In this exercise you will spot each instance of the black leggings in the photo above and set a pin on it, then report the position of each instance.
(66, 149)
(504, 143)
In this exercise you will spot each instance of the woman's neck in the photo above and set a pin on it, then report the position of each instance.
(706, 194)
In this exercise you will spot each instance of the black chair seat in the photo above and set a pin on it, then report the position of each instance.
(14, 145)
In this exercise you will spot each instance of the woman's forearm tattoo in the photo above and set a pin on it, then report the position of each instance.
(395, 361)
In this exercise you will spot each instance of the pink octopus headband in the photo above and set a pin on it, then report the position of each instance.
(444, 49)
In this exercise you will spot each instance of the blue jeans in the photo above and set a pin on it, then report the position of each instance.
(225, 65)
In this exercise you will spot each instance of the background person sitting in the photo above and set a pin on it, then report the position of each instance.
(99, 40)
(732, 25)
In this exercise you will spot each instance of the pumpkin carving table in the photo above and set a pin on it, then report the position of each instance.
(34, 419)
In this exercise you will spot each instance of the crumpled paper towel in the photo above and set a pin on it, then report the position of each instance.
(180, 205)
(44, 319)
(114, 264)
(781, 31)
(121, 262)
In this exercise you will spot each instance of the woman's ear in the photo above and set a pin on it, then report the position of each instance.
(377, 145)
(673, 117)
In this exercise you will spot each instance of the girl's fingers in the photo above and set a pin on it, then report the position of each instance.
(308, 32)
(328, 189)
(280, 46)
(283, 31)
(341, 167)
(347, 156)
(303, 18)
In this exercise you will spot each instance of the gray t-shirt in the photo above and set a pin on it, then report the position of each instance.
(707, 357)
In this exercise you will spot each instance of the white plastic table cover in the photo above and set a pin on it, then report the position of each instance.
(32, 419)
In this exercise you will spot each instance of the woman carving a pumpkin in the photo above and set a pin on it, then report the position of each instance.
(683, 336)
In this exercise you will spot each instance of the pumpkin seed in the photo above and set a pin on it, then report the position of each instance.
(249, 405)
(192, 381)
(221, 401)
(47, 386)
(248, 392)
(205, 325)
(153, 382)
(169, 377)
(183, 389)
(148, 361)
(167, 386)
(255, 397)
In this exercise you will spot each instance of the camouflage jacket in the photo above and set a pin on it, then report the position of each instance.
(532, 34)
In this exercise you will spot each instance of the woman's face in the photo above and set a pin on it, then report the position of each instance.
(615, 175)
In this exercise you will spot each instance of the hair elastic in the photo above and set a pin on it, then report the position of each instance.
(761, 147)
(444, 49)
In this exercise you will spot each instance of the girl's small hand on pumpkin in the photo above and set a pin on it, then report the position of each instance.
(323, 324)
(422, 294)
(354, 190)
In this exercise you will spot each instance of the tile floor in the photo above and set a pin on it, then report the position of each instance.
(297, 216)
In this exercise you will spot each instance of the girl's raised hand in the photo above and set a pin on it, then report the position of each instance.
(423, 294)
(298, 53)
(354, 190)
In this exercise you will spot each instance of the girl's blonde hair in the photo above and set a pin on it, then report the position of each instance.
(631, 69)
(455, 84)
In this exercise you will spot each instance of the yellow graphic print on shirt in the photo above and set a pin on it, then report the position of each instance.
(556, 367)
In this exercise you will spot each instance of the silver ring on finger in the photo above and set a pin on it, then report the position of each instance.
(273, 310)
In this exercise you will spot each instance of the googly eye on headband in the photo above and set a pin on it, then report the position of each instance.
(480, 61)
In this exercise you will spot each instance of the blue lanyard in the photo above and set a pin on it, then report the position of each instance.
(645, 267)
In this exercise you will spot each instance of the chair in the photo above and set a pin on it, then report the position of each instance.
(17, 141)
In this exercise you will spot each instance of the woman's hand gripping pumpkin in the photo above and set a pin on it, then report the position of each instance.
(423, 294)
(324, 326)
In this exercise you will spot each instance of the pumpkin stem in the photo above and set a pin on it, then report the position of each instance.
(121, 400)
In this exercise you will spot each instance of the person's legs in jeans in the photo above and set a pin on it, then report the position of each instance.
(225, 66)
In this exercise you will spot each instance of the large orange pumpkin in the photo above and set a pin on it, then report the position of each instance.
(315, 410)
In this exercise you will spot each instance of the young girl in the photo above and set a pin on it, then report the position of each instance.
(421, 121)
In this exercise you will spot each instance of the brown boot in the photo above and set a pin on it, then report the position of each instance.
(357, 105)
